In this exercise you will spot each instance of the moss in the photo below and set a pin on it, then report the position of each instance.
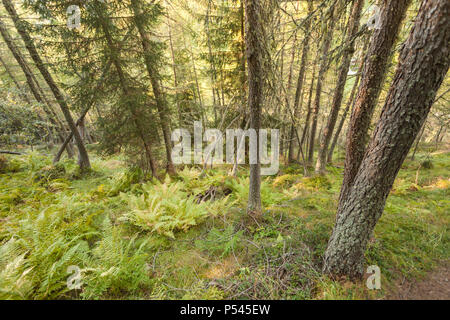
(285, 181)
(319, 182)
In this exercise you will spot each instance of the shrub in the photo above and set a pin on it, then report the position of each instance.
(427, 164)
(51, 172)
(127, 180)
(166, 208)
(8, 166)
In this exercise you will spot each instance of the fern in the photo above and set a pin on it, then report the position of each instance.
(165, 208)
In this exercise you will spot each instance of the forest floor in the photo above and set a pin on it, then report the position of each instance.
(435, 286)
(189, 237)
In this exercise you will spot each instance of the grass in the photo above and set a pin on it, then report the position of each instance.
(189, 237)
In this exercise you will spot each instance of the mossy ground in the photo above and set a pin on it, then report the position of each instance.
(114, 224)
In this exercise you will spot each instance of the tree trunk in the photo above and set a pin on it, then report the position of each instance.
(309, 111)
(67, 140)
(350, 105)
(418, 141)
(423, 64)
(10, 152)
(320, 79)
(300, 81)
(175, 74)
(128, 92)
(153, 74)
(20, 90)
(254, 51)
(34, 86)
(371, 82)
(353, 26)
(83, 155)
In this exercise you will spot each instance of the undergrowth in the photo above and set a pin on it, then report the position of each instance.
(186, 238)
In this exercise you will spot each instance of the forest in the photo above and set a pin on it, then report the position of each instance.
(224, 150)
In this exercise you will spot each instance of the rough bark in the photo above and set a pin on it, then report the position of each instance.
(161, 103)
(83, 155)
(423, 64)
(372, 79)
(353, 26)
(254, 49)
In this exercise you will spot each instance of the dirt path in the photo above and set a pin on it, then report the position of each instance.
(436, 286)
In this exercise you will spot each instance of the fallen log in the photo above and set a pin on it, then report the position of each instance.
(11, 152)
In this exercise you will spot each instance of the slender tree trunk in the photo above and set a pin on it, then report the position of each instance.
(300, 81)
(21, 91)
(34, 86)
(320, 79)
(353, 26)
(128, 92)
(438, 134)
(418, 141)
(211, 59)
(175, 74)
(309, 111)
(197, 85)
(350, 104)
(153, 74)
(83, 155)
(254, 51)
(98, 87)
(424, 62)
(371, 82)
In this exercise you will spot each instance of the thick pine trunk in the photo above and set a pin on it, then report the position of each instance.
(424, 62)
(353, 26)
(371, 82)
(83, 155)
(254, 38)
